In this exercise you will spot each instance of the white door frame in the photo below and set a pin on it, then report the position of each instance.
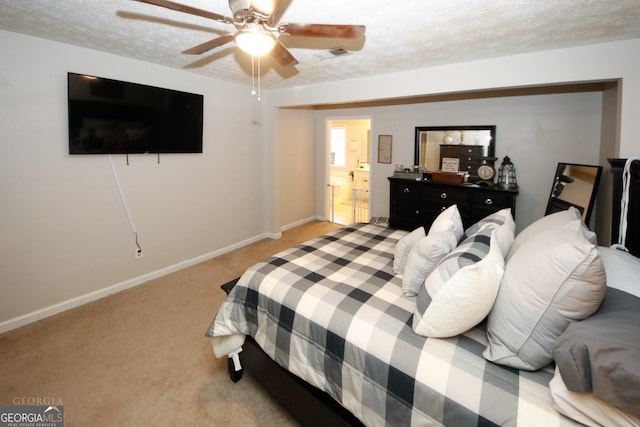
(327, 147)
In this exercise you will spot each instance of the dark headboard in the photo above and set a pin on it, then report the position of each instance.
(633, 215)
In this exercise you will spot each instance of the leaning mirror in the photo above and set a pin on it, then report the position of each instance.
(574, 185)
(472, 145)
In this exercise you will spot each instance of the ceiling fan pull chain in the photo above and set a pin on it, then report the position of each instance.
(253, 76)
(259, 87)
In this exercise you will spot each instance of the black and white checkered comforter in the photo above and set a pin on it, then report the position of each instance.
(332, 312)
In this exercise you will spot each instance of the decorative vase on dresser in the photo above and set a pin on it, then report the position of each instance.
(417, 203)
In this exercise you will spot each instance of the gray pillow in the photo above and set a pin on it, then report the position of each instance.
(601, 354)
(553, 278)
(549, 223)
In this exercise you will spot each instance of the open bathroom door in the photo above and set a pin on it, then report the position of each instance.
(348, 170)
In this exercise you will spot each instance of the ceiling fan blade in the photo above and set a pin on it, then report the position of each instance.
(188, 9)
(282, 55)
(323, 30)
(207, 46)
(280, 9)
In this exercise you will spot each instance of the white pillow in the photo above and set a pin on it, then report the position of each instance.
(622, 268)
(424, 257)
(448, 220)
(404, 246)
(553, 278)
(460, 292)
(547, 223)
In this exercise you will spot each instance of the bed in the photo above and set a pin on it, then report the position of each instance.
(350, 327)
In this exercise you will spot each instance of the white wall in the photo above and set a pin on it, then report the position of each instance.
(535, 131)
(296, 159)
(603, 62)
(64, 235)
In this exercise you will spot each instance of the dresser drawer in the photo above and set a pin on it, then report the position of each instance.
(471, 150)
(407, 189)
(461, 150)
(446, 195)
(491, 199)
(470, 164)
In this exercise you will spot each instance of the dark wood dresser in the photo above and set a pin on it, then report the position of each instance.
(415, 203)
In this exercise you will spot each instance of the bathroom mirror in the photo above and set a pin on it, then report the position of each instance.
(473, 145)
(574, 185)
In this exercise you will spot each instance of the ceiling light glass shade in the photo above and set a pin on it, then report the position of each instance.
(255, 41)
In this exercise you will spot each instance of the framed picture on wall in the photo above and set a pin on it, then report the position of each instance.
(384, 148)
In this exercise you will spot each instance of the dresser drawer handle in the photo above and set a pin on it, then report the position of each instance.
(469, 150)
(406, 190)
(488, 202)
(442, 209)
(443, 195)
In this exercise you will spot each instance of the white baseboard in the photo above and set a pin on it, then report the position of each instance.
(34, 316)
(302, 222)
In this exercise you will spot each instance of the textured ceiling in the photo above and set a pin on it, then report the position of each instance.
(401, 34)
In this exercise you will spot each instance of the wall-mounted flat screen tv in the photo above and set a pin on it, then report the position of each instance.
(115, 117)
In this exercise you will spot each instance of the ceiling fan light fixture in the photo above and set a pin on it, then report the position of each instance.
(254, 40)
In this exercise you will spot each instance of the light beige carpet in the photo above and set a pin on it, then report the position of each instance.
(140, 357)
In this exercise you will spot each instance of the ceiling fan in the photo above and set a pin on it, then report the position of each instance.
(256, 29)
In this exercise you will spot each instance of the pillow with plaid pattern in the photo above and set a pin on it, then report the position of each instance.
(502, 218)
(461, 291)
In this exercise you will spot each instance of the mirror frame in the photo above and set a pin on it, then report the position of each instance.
(491, 149)
(556, 204)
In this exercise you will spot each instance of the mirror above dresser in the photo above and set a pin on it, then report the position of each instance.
(472, 146)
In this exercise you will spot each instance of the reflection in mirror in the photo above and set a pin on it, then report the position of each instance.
(574, 185)
(473, 145)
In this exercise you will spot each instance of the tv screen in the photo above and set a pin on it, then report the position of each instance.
(115, 117)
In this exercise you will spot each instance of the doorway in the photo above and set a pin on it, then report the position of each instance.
(348, 170)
